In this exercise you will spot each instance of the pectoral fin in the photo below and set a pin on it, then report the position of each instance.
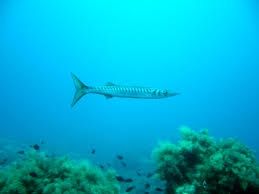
(108, 96)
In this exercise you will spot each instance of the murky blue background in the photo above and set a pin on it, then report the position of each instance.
(207, 50)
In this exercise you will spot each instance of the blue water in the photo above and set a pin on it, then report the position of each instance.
(206, 50)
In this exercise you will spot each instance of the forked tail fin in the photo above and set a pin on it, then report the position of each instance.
(81, 89)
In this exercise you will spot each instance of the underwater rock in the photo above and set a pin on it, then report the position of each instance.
(198, 164)
(36, 173)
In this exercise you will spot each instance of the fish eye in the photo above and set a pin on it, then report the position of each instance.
(165, 92)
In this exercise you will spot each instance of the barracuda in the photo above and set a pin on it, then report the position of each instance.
(111, 90)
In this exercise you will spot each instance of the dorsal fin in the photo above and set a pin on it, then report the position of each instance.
(110, 84)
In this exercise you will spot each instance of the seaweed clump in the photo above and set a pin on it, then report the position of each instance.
(198, 164)
(37, 173)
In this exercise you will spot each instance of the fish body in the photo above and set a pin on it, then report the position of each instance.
(22, 152)
(120, 178)
(35, 147)
(123, 164)
(93, 151)
(33, 174)
(129, 189)
(147, 186)
(150, 174)
(128, 180)
(3, 161)
(138, 173)
(111, 90)
(101, 166)
(120, 157)
(159, 189)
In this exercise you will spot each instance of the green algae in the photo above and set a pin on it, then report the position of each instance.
(37, 173)
(198, 164)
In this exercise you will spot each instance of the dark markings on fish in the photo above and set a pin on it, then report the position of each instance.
(147, 186)
(159, 189)
(33, 174)
(120, 157)
(128, 180)
(129, 189)
(35, 147)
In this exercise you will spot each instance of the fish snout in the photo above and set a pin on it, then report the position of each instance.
(169, 93)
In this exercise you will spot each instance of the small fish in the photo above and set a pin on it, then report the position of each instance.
(150, 174)
(33, 174)
(21, 152)
(93, 151)
(120, 157)
(35, 147)
(42, 142)
(120, 178)
(101, 166)
(147, 186)
(3, 161)
(128, 180)
(129, 189)
(159, 189)
(123, 164)
(138, 173)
